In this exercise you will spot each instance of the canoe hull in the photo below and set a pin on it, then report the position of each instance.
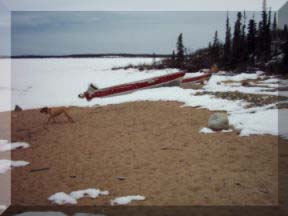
(161, 81)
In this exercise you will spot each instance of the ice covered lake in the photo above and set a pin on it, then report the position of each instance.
(58, 81)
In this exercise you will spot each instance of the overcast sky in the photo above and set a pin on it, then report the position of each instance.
(65, 32)
(52, 33)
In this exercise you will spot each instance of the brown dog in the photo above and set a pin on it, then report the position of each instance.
(54, 112)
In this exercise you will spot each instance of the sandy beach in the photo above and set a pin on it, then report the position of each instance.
(156, 149)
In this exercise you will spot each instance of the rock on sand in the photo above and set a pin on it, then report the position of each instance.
(218, 121)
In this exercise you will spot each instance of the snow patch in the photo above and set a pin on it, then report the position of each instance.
(92, 193)
(5, 146)
(6, 165)
(126, 199)
(3, 208)
(260, 122)
(206, 130)
(62, 198)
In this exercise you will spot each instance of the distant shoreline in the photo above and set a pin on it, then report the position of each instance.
(107, 55)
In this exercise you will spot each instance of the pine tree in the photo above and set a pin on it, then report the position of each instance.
(251, 41)
(216, 49)
(227, 45)
(285, 59)
(275, 27)
(285, 32)
(180, 52)
(173, 59)
(243, 41)
(236, 47)
(265, 34)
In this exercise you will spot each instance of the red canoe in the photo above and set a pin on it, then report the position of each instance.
(197, 78)
(166, 80)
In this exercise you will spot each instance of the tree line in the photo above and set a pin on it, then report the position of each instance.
(263, 45)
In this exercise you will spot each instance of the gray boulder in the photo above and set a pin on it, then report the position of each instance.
(218, 121)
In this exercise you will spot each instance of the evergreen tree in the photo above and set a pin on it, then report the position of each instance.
(285, 59)
(173, 59)
(251, 41)
(243, 42)
(236, 47)
(285, 32)
(227, 45)
(265, 34)
(180, 52)
(275, 27)
(216, 48)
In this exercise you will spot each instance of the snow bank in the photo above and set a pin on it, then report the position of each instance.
(5, 146)
(6, 165)
(261, 122)
(62, 198)
(217, 84)
(126, 199)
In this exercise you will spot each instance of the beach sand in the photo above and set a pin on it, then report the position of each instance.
(155, 146)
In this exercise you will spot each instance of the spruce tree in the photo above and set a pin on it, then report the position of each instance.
(236, 47)
(243, 42)
(275, 28)
(265, 34)
(285, 59)
(173, 59)
(251, 41)
(285, 32)
(180, 52)
(227, 45)
(215, 48)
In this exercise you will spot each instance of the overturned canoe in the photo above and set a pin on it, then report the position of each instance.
(166, 80)
(197, 78)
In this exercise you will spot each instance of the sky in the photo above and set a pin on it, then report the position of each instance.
(55, 28)
(61, 33)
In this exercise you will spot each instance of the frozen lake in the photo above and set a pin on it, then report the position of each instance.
(57, 82)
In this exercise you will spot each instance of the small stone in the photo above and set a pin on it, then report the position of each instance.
(18, 108)
(121, 178)
(218, 122)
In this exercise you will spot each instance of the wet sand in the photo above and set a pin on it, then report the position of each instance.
(156, 146)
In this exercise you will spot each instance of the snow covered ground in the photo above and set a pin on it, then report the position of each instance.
(57, 82)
